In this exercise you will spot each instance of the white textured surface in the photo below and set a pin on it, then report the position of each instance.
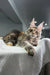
(14, 62)
(4, 49)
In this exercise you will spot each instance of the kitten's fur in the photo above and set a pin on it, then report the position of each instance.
(26, 39)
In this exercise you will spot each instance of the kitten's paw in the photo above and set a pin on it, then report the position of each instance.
(9, 44)
(30, 50)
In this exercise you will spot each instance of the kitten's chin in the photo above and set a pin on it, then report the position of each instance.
(35, 43)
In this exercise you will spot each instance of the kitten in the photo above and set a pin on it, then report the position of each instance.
(26, 39)
(34, 32)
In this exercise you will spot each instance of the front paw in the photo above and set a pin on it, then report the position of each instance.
(30, 50)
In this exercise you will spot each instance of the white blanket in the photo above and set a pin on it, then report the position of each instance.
(15, 61)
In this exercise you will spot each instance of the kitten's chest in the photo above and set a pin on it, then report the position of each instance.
(21, 40)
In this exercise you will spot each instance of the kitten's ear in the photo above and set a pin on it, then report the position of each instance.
(40, 26)
(32, 24)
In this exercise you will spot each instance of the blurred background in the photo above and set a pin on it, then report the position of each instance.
(17, 14)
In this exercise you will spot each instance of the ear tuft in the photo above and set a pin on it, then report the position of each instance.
(32, 24)
(40, 26)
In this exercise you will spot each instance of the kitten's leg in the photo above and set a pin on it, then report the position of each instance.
(29, 48)
(9, 44)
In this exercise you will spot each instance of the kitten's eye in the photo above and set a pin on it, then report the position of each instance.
(31, 30)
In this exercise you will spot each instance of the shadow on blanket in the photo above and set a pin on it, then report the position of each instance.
(22, 64)
(45, 70)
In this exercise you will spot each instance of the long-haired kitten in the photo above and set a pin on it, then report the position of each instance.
(26, 39)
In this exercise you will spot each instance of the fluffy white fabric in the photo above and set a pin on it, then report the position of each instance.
(15, 61)
(4, 49)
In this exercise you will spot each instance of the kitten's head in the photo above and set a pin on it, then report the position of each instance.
(34, 31)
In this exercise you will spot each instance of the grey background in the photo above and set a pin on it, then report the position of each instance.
(7, 25)
(17, 14)
(27, 9)
(8, 18)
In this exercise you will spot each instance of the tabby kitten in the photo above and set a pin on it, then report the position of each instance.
(26, 39)
(34, 32)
